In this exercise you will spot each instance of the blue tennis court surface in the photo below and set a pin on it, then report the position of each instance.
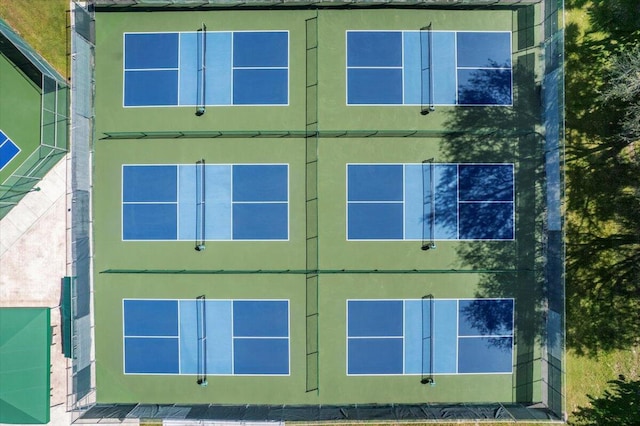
(8, 150)
(215, 337)
(441, 336)
(219, 68)
(429, 67)
(430, 201)
(212, 202)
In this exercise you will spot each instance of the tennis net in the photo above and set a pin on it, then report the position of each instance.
(200, 204)
(202, 70)
(427, 340)
(426, 70)
(428, 205)
(201, 306)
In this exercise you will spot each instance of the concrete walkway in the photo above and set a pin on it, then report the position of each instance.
(33, 259)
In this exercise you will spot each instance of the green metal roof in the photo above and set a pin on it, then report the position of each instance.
(25, 342)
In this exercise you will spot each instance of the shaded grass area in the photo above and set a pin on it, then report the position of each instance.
(603, 177)
(589, 375)
(43, 24)
(602, 221)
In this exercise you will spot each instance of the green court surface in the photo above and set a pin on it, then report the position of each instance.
(316, 267)
(20, 121)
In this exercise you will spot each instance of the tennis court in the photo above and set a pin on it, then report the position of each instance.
(206, 337)
(33, 118)
(430, 336)
(206, 68)
(201, 202)
(362, 190)
(19, 124)
(430, 201)
(427, 67)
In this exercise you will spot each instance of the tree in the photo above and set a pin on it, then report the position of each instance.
(619, 406)
(603, 176)
(623, 89)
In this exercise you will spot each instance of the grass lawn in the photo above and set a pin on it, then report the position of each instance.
(589, 375)
(43, 24)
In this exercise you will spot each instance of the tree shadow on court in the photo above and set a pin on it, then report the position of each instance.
(490, 318)
(513, 268)
(603, 189)
(603, 185)
(485, 220)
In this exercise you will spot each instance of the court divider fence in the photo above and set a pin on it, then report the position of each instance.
(81, 377)
(312, 314)
(224, 4)
(124, 413)
(553, 115)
